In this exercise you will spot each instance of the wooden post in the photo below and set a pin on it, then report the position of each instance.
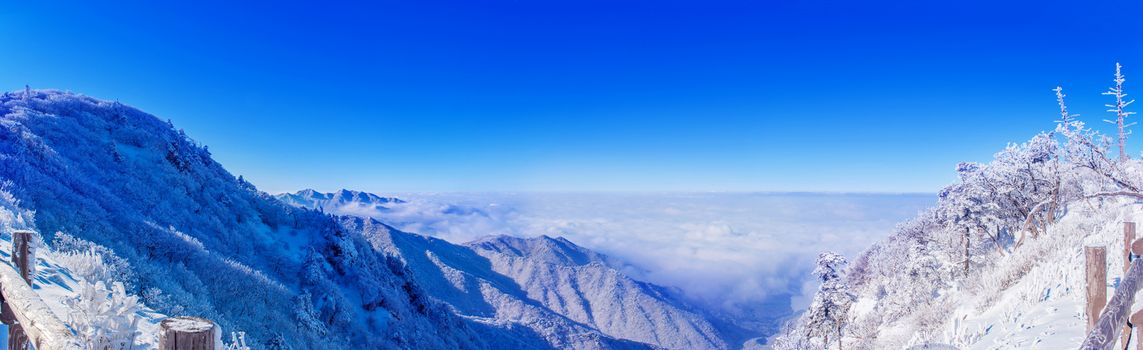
(1128, 239)
(21, 256)
(187, 333)
(1096, 268)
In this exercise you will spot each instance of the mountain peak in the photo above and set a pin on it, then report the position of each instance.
(543, 248)
(343, 198)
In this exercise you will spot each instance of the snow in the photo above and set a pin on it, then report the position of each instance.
(56, 288)
(1045, 309)
(188, 324)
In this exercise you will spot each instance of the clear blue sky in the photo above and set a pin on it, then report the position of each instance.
(585, 95)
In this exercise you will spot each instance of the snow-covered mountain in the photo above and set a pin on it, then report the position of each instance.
(589, 288)
(466, 281)
(189, 238)
(345, 202)
(550, 286)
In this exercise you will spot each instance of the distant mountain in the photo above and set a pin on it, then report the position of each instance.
(550, 286)
(466, 281)
(345, 201)
(587, 287)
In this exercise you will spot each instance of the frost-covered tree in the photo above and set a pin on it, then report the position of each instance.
(790, 338)
(1119, 109)
(1066, 118)
(1020, 190)
(237, 342)
(829, 311)
(914, 279)
(104, 318)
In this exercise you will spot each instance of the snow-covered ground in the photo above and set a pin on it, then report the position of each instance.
(1045, 308)
(1032, 297)
(57, 285)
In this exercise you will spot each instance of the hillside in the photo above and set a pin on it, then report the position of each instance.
(198, 241)
(998, 263)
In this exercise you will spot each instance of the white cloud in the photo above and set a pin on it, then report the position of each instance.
(734, 251)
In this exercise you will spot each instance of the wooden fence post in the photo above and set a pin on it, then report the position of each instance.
(21, 256)
(1096, 268)
(1128, 239)
(187, 333)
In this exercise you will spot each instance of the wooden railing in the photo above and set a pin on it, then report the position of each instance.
(31, 322)
(28, 318)
(1106, 326)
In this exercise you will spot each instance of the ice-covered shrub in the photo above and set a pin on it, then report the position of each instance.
(237, 342)
(12, 217)
(92, 262)
(86, 266)
(104, 318)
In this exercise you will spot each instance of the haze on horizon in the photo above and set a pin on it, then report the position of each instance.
(585, 95)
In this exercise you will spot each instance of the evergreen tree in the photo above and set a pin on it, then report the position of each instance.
(829, 311)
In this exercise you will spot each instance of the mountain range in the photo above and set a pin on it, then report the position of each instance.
(302, 271)
(549, 285)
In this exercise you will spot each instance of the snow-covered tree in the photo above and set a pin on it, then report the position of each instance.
(829, 311)
(1119, 109)
(790, 338)
(914, 278)
(1066, 118)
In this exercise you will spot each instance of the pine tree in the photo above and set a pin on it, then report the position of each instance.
(830, 309)
(1118, 108)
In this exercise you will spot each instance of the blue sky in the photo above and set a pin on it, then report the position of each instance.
(585, 95)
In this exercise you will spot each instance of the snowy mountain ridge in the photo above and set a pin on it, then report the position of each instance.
(186, 237)
(545, 282)
(148, 209)
(344, 200)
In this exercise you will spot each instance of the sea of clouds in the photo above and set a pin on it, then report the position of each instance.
(746, 254)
